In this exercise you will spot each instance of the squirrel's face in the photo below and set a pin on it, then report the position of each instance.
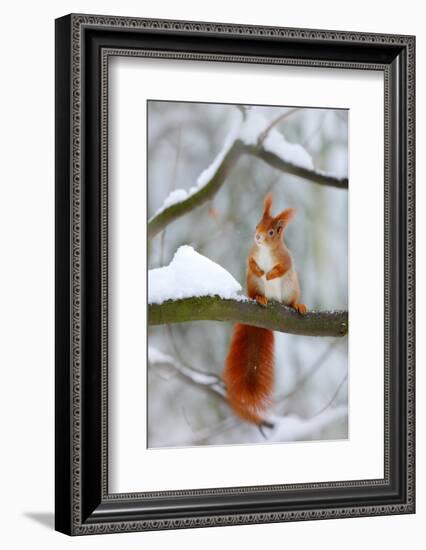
(268, 233)
(270, 229)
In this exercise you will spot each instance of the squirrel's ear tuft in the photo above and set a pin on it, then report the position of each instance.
(285, 216)
(267, 203)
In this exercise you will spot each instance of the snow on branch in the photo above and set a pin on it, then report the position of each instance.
(182, 201)
(258, 135)
(209, 381)
(253, 136)
(190, 274)
(203, 380)
(265, 142)
(280, 163)
(194, 288)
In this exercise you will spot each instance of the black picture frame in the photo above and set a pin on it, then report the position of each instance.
(83, 504)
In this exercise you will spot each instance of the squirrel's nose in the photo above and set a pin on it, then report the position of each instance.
(257, 236)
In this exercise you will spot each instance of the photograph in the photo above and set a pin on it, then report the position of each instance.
(234, 273)
(247, 221)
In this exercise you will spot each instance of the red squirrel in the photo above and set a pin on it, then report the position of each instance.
(249, 365)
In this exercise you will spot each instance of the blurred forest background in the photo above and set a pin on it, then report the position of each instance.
(311, 392)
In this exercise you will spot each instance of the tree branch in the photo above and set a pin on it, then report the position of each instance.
(275, 316)
(159, 221)
(300, 427)
(311, 175)
(204, 194)
(205, 380)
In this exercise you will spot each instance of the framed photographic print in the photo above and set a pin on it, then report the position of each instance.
(234, 274)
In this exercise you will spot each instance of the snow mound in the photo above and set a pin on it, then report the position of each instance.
(190, 274)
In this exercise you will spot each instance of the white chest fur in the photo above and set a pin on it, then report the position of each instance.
(280, 289)
(264, 259)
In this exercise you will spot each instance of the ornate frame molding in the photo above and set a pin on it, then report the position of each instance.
(73, 503)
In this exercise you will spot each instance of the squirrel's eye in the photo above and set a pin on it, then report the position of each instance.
(271, 232)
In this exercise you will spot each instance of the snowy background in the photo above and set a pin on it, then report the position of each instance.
(185, 140)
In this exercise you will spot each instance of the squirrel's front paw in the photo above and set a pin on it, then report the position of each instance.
(301, 308)
(255, 268)
(262, 300)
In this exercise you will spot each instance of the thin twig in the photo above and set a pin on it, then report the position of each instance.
(206, 380)
(312, 370)
(315, 130)
(330, 402)
(273, 123)
(243, 110)
(207, 433)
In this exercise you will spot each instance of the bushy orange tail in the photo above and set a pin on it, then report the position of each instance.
(249, 371)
